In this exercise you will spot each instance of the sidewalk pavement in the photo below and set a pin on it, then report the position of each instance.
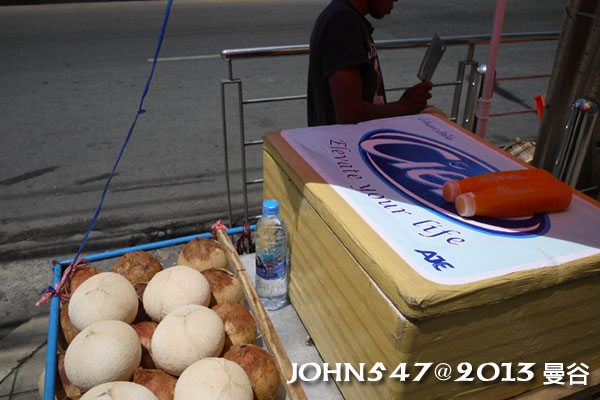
(22, 360)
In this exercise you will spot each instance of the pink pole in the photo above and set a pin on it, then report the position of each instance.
(485, 101)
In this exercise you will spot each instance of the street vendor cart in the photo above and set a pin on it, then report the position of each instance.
(387, 277)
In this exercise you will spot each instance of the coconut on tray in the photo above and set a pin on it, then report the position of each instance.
(148, 332)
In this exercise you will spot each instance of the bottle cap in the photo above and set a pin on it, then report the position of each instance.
(465, 204)
(451, 189)
(270, 207)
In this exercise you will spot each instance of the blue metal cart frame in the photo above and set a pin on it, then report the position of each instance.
(59, 265)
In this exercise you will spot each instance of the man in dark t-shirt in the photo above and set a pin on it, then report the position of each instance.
(345, 84)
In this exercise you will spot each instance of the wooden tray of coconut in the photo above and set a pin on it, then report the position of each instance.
(143, 331)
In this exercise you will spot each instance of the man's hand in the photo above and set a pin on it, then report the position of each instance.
(414, 99)
(345, 86)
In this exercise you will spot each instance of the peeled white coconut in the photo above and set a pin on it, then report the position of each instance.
(106, 351)
(105, 296)
(215, 378)
(119, 391)
(172, 288)
(185, 336)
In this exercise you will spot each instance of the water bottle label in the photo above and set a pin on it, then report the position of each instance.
(269, 270)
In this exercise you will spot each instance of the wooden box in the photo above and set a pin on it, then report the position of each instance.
(384, 271)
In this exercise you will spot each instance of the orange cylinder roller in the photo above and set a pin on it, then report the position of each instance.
(452, 189)
(516, 199)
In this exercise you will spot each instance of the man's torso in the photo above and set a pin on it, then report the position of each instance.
(341, 38)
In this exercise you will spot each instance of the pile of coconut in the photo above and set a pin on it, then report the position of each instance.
(147, 332)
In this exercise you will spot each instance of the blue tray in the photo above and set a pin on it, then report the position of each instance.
(51, 352)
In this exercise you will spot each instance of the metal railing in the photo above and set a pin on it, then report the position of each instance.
(472, 92)
(576, 141)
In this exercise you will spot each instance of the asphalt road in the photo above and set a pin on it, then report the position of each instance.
(72, 76)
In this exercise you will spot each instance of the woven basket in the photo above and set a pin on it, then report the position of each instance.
(523, 149)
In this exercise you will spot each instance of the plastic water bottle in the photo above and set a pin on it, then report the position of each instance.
(271, 257)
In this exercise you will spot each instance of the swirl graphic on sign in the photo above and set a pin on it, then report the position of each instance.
(417, 167)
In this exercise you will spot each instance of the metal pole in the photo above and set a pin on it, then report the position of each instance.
(51, 348)
(473, 92)
(225, 151)
(484, 102)
(576, 141)
(460, 76)
(243, 151)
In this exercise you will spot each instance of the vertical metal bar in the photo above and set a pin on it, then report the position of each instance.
(457, 90)
(485, 101)
(579, 151)
(243, 151)
(470, 52)
(51, 348)
(225, 151)
(460, 73)
(586, 123)
(473, 91)
(566, 149)
(460, 76)
(579, 130)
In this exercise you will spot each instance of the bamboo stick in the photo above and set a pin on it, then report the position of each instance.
(282, 362)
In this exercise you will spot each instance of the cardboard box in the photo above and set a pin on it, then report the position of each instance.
(384, 273)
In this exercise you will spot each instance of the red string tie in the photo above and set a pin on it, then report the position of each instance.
(58, 289)
(217, 225)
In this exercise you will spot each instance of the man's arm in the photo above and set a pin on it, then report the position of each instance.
(345, 86)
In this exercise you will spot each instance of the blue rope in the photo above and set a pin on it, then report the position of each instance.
(139, 111)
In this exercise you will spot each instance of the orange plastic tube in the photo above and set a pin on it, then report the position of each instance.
(452, 189)
(516, 199)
